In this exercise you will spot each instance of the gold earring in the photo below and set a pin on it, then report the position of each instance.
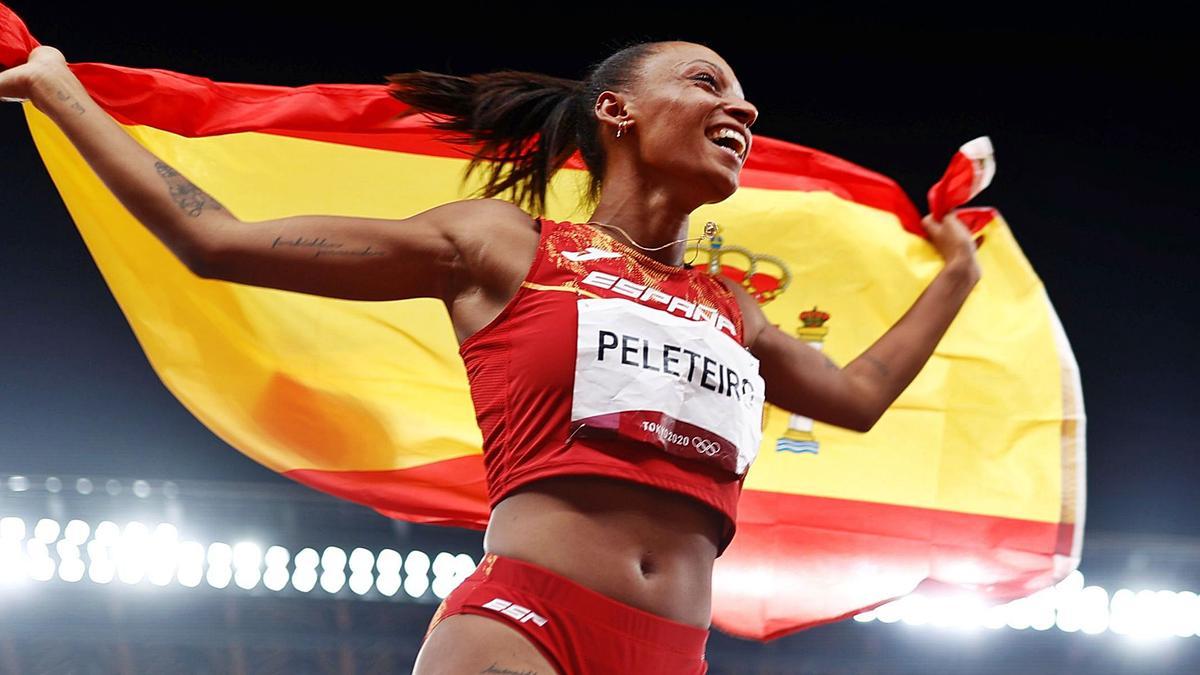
(621, 127)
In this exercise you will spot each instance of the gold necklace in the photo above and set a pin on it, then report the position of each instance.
(710, 232)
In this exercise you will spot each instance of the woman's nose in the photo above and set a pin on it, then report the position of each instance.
(744, 112)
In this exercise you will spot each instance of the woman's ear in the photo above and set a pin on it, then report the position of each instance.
(611, 110)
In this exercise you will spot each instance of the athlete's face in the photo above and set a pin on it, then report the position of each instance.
(691, 121)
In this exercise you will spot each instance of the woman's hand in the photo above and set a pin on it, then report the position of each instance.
(19, 82)
(954, 242)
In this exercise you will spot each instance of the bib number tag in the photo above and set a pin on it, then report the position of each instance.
(678, 384)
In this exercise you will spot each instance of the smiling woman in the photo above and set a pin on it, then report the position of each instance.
(611, 490)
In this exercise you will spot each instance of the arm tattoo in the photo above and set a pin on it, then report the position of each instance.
(505, 671)
(189, 198)
(325, 247)
(64, 97)
(879, 365)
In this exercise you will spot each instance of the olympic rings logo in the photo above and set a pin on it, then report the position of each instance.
(705, 446)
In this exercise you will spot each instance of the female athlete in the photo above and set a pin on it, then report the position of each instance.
(582, 341)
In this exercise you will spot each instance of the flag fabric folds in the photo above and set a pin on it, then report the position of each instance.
(972, 480)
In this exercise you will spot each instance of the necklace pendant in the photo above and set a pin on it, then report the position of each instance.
(710, 230)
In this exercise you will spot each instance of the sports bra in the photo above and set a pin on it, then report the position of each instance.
(610, 363)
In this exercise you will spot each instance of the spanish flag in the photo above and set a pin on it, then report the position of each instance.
(972, 480)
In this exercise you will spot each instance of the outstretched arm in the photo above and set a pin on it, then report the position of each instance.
(435, 253)
(175, 210)
(803, 380)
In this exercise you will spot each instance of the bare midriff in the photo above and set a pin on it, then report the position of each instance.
(636, 544)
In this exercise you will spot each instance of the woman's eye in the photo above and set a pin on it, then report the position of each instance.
(706, 77)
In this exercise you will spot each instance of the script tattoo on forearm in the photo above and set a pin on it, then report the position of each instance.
(325, 247)
(189, 198)
(65, 97)
(505, 671)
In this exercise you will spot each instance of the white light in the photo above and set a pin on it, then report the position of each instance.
(332, 580)
(417, 563)
(220, 554)
(915, 609)
(12, 528)
(247, 577)
(1121, 612)
(46, 530)
(277, 556)
(360, 582)
(101, 571)
(465, 565)
(107, 532)
(166, 533)
(389, 562)
(888, 613)
(18, 483)
(1093, 608)
(361, 560)
(307, 558)
(141, 488)
(443, 564)
(388, 584)
(66, 550)
(190, 557)
(416, 585)
(190, 575)
(304, 578)
(247, 555)
(1186, 612)
(333, 559)
(84, 486)
(77, 532)
(275, 578)
(865, 617)
(71, 570)
(14, 565)
(218, 577)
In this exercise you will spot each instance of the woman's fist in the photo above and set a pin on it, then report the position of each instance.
(952, 240)
(17, 83)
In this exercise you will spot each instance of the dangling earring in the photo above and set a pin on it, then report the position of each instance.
(621, 127)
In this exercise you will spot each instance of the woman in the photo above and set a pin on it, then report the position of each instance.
(603, 534)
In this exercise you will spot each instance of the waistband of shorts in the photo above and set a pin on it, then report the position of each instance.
(553, 587)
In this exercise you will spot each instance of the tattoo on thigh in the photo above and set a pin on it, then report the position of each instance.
(500, 670)
(189, 198)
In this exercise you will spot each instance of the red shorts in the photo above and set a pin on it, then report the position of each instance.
(580, 631)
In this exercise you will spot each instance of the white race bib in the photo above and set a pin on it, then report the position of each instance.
(676, 383)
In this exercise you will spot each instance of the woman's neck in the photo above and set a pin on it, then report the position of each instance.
(649, 217)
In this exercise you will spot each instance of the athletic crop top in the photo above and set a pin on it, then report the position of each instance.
(610, 363)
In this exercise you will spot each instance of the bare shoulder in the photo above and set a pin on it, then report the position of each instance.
(479, 218)
(753, 319)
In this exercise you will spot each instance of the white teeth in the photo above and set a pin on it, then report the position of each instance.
(726, 132)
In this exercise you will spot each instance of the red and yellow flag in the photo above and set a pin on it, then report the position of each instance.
(973, 479)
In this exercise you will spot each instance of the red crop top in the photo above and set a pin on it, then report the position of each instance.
(560, 379)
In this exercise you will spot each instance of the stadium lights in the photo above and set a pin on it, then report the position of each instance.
(136, 554)
(1069, 606)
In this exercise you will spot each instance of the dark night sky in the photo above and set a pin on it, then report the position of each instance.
(1086, 113)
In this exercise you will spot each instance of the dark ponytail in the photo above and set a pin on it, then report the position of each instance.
(526, 125)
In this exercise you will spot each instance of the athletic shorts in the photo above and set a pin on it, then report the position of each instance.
(580, 631)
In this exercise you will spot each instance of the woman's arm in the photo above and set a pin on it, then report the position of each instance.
(803, 380)
(435, 253)
(181, 215)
